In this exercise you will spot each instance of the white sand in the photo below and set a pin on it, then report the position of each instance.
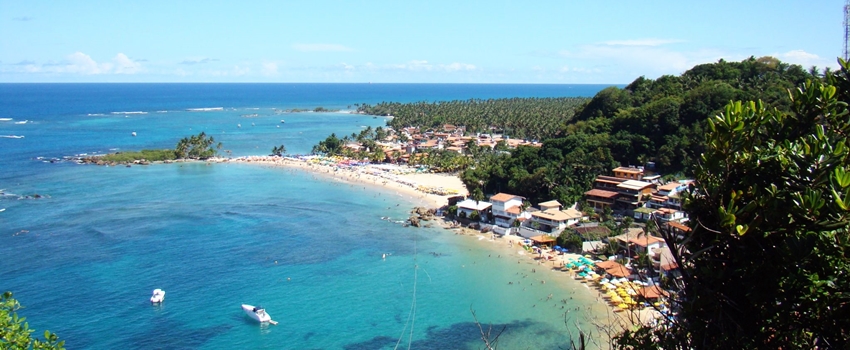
(407, 184)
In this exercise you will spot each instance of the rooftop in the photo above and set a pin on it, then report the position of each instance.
(473, 205)
(504, 197)
(628, 170)
(634, 185)
(550, 204)
(669, 186)
(551, 214)
(601, 193)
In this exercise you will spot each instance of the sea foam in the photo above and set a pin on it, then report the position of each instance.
(206, 109)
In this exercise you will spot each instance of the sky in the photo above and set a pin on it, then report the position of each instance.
(435, 41)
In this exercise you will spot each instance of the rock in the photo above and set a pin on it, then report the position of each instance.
(414, 221)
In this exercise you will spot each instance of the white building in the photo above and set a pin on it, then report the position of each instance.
(552, 219)
(506, 208)
(467, 206)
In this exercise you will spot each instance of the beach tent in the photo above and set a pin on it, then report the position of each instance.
(607, 264)
(652, 292)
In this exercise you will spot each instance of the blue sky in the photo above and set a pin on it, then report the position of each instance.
(436, 41)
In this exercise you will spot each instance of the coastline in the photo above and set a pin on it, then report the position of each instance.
(407, 185)
(606, 318)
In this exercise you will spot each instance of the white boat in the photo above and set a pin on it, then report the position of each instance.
(158, 296)
(257, 313)
(282, 121)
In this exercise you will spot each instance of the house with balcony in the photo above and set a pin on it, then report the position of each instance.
(549, 219)
(635, 241)
(665, 215)
(600, 199)
(506, 208)
(667, 196)
(632, 193)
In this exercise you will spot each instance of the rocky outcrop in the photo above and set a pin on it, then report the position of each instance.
(419, 214)
(414, 221)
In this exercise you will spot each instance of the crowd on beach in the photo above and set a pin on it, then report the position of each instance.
(415, 182)
(434, 189)
(619, 296)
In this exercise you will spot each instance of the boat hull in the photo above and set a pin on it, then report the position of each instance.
(158, 296)
(256, 314)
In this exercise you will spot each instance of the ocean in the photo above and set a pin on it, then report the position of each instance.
(83, 246)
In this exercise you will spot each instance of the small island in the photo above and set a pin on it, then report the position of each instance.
(196, 147)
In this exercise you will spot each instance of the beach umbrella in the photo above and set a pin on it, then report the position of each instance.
(623, 306)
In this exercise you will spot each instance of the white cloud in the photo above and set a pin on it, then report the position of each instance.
(198, 60)
(240, 71)
(124, 65)
(321, 48)
(806, 59)
(642, 42)
(423, 65)
(634, 58)
(456, 66)
(269, 69)
(80, 63)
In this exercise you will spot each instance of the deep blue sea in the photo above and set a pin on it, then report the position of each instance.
(84, 258)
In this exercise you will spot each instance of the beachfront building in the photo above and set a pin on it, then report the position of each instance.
(635, 241)
(506, 208)
(551, 219)
(467, 207)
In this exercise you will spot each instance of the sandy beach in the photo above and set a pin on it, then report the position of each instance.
(421, 188)
(416, 188)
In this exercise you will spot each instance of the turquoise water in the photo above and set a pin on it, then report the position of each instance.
(84, 258)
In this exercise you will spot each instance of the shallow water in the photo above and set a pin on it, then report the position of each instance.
(84, 258)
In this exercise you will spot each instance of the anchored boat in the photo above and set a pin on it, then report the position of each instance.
(257, 313)
(158, 296)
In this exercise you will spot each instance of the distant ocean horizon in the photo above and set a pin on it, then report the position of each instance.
(84, 255)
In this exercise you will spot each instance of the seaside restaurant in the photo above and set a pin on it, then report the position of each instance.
(543, 240)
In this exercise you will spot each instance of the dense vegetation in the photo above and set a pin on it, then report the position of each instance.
(661, 121)
(151, 155)
(15, 332)
(198, 146)
(366, 140)
(524, 118)
(766, 264)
